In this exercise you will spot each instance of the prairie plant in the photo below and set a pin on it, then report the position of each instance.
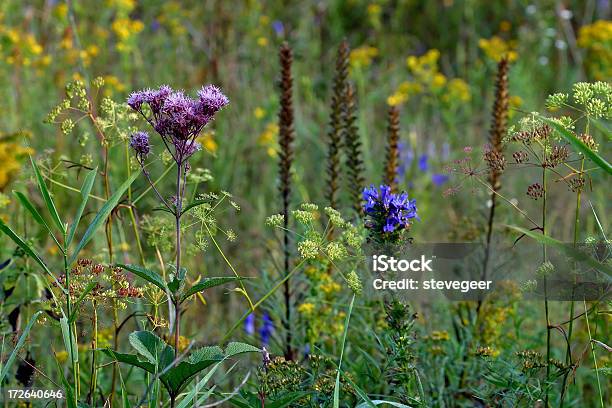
(286, 138)
(336, 125)
(392, 153)
(354, 160)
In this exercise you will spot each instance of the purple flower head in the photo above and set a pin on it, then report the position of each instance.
(249, 324)
(266, 329)
(423, 163)
(278, 28)
(178, 118)
(387, 212)
(211, 100)
(139, 141)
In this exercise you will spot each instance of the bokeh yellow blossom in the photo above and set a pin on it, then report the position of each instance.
(207, 140)
(496, 48)
(362, 57)
(596, 39)
(268, 138)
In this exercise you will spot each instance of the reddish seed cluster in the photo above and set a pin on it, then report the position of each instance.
(576, 184)
(558, 155)
(527, 136)
(495, 160)
(535, 191)
(520, 156)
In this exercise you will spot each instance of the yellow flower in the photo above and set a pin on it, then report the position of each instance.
(306, 308)
(268, 138)
(262, 41)
(440, 335)
(4, 201)
(207, 140)
(259, 112)
(458, 90)
(496, 48)
(374, 9)
(11, 155)
(397, 99)
(363, 56)
(61, 10)
(438, 81)
(596, 39)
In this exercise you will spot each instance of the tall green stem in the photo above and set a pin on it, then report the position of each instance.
(544, 256)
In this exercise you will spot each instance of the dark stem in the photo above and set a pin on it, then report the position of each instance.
(177, 214)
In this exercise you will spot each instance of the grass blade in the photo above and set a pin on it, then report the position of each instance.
(102, 215)
(568, 250)
(47, 197)
(32, 210)
(85, 190)
(18, 346)
(579, 145)
(346, 327)
(28, 250)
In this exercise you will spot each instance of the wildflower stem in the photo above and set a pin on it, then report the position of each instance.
(177, 215)
(544, 256)
(586, 315)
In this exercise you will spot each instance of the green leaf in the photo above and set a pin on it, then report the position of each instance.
(28, 250)
(85, 190)
(207, 283)
(189, 397)
(131, 359)
(579, 145)
(47, 197)
(336, 403)
(102, 215)
(32, 210)
(69, 343)
(379, 402)
(177, 377)
(159, 357)
(151, 347)
(568, 250)
(235, 348)
(18, 346)
(146, 274)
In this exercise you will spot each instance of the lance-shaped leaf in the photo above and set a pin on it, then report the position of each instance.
(101, 216)
(32, 210)
(85, 190)
(146, 274)
(47, 197)
(18, 346)
(566, 249)
(28, 250)
(207, 283)
(579, 145)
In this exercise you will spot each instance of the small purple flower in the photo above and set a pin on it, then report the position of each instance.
(139, 141)
(423, 163)
(278, 28)
(439, 179)
(211, 100)
(249, 324)
(266, 330)
(388, 212)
